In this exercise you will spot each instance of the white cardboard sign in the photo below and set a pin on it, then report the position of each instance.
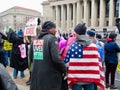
(30, 29)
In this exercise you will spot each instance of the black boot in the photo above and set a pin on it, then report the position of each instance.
(29, 81)
(113, 87)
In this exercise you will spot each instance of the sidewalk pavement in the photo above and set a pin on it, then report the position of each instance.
(20, 82)
(22, 85)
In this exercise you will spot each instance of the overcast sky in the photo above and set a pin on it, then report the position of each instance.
(32, 4)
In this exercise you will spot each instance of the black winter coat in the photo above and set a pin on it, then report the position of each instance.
(15, 59)
(2, 57)
(6, 82)
(47, 72)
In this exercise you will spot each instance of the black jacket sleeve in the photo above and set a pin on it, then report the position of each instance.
(31, 53)
(3, 36)
(117, 47)
(12, 37)
(55, 54)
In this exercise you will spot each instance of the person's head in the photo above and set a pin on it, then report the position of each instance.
(20, 33)
(49, 26)
(91, 33)
(63, 35)
(105, 35)
(98, 37)
(67, 35)
(113, 36)
(92, 29)
(80, 29)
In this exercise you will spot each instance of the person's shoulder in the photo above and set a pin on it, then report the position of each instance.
(51, 36)
(114, 43)
(75, 44)
(101, 43)
(93, 45)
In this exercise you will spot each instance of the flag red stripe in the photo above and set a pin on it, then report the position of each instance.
(83, 72)
(101, 68)
(83, 64)
(90, 49)
(91, 80)
(102, 78)
(101, 85)
(90, 56)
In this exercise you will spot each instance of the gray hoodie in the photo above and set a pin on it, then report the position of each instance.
(83, 40)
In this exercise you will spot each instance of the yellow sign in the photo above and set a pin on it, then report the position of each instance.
(118, 68)
(7, 45)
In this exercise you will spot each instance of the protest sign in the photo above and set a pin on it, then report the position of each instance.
(38, 49)
(30, 29)
(7, 45)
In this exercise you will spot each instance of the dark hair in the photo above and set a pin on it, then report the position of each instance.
(80, 29)
(48, 25)
(65, 36)
(98, 36)
(113, 35)
(92, 29)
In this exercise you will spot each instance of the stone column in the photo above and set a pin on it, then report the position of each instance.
(74, 15)
(79, 12)
(102, 13)
(86, 13)
(94, 13)
(53, 12)
(111, 13)
(62, 17)
(57, 16)
(68, 16)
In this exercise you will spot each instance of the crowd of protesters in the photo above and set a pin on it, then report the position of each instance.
(74, 60)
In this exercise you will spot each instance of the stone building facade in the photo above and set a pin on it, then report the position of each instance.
(97, 14)
(16, 17)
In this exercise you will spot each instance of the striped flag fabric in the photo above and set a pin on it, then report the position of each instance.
(86, 68)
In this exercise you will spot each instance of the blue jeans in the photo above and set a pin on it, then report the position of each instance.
(86, 87)
(15, 73)
(6, 57)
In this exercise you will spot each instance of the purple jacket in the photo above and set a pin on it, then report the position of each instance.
(62, 44)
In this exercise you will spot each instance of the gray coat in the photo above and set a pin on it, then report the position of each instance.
(6, 82)
(47, 73)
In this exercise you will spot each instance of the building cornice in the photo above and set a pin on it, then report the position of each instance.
(45, 3)
(63, 2)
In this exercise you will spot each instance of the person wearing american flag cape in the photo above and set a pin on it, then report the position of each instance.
(83, 62)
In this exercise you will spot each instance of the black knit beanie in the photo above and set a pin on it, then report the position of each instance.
(112, 35)
(80, 29)
(48, 25)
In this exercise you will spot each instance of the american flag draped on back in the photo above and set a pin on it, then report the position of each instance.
(84, 65)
